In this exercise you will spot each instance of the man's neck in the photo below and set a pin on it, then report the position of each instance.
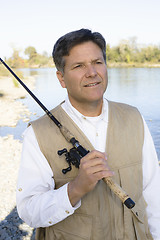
(89, 109)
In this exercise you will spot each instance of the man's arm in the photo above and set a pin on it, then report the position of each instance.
(151, 181)
(38, 203)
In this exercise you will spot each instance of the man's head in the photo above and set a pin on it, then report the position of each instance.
(64, 45)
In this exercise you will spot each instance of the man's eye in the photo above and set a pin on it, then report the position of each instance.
(78, 66)
(98, 62)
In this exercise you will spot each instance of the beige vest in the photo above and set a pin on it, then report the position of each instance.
(101, 216)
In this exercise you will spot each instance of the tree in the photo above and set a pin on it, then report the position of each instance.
(31, 52)
(16, 61)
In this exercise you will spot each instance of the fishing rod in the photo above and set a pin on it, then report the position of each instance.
(74, 155)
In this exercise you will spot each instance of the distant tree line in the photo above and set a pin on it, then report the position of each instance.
(127, 52)
(34, 59)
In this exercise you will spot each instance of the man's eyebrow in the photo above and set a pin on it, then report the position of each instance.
(82, 62)
(75, 63)
(97, 59)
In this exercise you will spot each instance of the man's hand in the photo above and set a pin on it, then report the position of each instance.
(93, 167)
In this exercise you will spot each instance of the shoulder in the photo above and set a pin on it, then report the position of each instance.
(123, 107)
(125, 113)
(45, 119)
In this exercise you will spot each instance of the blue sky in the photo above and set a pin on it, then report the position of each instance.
(39, 23)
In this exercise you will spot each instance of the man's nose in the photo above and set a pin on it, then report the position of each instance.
(91, 71)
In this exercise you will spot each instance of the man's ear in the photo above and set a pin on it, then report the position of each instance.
(61, 79)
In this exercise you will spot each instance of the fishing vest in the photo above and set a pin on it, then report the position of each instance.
(101, 216)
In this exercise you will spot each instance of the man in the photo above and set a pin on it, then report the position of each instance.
(79, 205)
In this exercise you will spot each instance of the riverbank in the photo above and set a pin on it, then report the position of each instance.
(5, 72)
(132, 65)
(11, 111)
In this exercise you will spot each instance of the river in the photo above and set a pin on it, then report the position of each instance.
(139, 87)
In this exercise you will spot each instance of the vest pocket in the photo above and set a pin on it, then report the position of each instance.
(75, 227)
(139, 209)
(135, 220)
(140, 220)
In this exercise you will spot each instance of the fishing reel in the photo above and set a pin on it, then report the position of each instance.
(72, 157)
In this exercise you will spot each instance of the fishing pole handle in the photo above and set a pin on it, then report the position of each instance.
(66, 133)
(123, 196)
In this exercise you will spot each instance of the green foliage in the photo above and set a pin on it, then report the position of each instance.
(15, 82)
(31, 52)
(127, 53)
(36, 59)
(16, 61)
(3, 71)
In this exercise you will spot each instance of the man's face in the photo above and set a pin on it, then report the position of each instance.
(85, 75)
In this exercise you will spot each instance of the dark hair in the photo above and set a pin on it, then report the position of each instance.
(64, 44)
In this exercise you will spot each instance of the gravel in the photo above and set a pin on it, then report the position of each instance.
(11, 111)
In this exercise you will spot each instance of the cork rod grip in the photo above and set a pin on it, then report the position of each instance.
(123, 196)
(66, 133)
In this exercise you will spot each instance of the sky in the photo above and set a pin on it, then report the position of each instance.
(39, 23)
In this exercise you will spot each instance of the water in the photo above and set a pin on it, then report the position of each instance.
(139, 87)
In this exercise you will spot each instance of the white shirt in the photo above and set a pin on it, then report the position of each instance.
(40, 205)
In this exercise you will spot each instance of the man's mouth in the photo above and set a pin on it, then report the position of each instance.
(92, 84)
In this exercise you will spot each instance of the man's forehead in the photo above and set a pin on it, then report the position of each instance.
(84, 51)
(87, 44)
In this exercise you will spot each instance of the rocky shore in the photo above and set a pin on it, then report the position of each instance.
(11, 111)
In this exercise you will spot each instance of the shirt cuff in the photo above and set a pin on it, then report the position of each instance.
(63, 206)
(67, 201)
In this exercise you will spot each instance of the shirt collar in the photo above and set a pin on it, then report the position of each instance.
(67, 106)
